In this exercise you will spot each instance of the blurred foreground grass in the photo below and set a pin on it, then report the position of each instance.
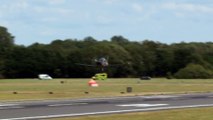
(34, 89)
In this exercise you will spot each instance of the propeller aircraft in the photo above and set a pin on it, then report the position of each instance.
(101, 62)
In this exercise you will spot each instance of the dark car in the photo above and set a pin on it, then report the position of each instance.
(145, 78)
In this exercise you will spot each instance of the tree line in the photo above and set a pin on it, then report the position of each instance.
(131, 58)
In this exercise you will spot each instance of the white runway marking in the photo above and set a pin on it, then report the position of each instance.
(9, 106)
(142, 105)
(5, 105)
(160, 96)
(108, 112)
(57, 105)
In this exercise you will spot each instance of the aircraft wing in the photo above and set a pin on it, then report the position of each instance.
(115, 65)
(85, 64)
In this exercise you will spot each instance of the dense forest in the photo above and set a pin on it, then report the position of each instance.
(133, 58)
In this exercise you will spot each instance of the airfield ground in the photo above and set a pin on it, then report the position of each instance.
(34, 89)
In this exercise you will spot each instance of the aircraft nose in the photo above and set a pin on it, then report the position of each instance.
(106, 64)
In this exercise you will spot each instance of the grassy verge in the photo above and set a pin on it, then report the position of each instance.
(34, 89)
(179, 114)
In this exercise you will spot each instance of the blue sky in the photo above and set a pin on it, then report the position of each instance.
(166, 21)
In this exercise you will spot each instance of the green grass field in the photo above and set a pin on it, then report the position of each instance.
(34, 89)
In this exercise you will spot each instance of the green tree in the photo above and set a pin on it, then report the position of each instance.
(119, 40)
(194, 71)
(6, 44)
(164, 60)
(148, 52)
(6, 39)
(128, 58)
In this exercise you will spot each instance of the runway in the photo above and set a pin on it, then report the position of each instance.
(64, 108)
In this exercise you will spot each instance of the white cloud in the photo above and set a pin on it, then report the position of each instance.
(22, 4)
(52, 13)
(46, 19)
(137, 7)
(110, 1)
(56, 2)
(188, 7)
(8, 8)
(105, 1)
(179, 14)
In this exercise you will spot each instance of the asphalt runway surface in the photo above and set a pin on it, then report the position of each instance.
(65, 108)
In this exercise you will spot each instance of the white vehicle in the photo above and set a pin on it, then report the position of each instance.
(44, 77)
